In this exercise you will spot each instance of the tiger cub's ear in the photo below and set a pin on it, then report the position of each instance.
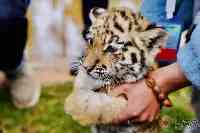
(96, 13)
(154, 39)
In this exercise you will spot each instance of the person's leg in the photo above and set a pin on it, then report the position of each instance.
(196, 103)
(13, 35)
(184, 12)
(154, 11)
(193, 46)
(196, 106)
(87, 5)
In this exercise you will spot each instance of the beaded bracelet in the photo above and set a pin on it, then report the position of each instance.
(151, 83)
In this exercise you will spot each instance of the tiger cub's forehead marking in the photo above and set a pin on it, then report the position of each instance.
(118, 22)
(132, 55)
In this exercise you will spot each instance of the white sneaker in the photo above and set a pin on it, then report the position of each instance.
(25, 89)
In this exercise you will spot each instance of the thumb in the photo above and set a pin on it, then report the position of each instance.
(165, 100)
(167, 103)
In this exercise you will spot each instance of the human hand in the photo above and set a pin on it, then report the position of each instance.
(142, 103)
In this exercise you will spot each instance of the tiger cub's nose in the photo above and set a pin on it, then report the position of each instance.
(101, 68)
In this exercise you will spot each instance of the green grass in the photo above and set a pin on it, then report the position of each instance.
(49, 117)
(181, 112)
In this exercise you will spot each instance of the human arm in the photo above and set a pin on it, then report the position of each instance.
(142, 103)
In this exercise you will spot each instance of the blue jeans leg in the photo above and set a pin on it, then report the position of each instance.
(154, 10)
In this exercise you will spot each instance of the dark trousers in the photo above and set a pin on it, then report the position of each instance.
(196, 106)
(13, 33)
(87, 5)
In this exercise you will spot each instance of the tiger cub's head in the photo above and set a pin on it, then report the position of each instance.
(116, 55)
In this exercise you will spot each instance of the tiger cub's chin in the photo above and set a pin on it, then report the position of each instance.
(86, 82)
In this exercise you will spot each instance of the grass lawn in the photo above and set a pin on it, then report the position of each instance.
(49, 117)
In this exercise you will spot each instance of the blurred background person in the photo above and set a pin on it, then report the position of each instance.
(24, 89)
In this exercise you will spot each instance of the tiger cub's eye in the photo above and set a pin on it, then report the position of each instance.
(110, 49)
